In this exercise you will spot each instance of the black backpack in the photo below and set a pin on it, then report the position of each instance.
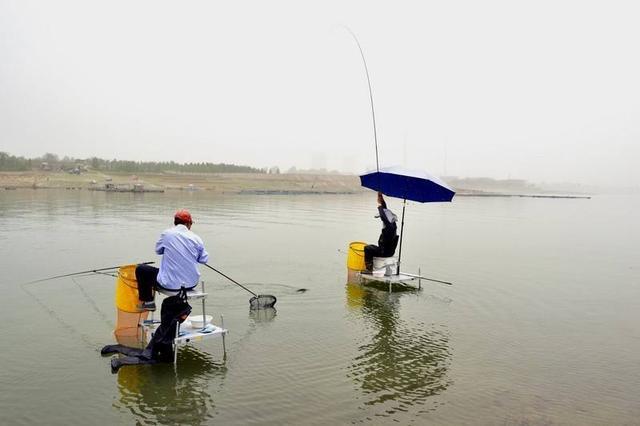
(174, 310)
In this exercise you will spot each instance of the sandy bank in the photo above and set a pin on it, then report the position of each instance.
(234, 183)
(219, 182)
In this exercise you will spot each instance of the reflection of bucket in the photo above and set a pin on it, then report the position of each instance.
(353, 277)
(355, 296)
(128, 317)
(127, 331)
(355, 257)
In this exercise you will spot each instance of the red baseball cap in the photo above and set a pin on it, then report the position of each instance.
(183, 215)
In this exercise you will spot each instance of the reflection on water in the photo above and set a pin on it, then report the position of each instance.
(523, 335)
(168, 394)
(263, 315)
(399, 364)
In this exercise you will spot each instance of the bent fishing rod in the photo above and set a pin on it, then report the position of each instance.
(373, 113)
(96, 271)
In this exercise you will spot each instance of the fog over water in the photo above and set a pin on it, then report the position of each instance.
(546, 91)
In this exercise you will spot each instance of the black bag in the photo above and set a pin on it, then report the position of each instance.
(175, 309)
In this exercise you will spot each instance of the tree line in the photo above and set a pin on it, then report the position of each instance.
(9, 163)
(52, 162)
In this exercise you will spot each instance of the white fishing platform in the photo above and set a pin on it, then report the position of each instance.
(186, 333)
(385, 271)
(391, 279)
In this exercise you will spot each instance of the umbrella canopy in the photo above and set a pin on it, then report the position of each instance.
(407, 184)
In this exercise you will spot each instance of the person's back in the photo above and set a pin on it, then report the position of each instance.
(181, 250)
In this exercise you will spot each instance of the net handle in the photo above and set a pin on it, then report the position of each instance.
(229, 278)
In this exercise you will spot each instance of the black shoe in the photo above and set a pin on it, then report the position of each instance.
(147, 306)
(115, 365)
(108, 350)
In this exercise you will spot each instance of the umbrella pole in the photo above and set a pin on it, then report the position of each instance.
(404, 204)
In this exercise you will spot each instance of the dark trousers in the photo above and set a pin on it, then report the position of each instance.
(370, 252)
(147, 277)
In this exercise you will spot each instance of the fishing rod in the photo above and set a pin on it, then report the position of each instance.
(258, 301)
(99, 270)
(428, 279)
(412, 275)
(229, 278)
(373, 113)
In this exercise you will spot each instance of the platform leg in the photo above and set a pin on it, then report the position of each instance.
(419, 280)
(224, 345)
(175, 345)
(204, 316)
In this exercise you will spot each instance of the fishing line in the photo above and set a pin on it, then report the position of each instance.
(64, 324)
(93, 304)
(56, 317)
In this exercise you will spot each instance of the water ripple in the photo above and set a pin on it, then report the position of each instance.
(398, 364)
(160, 394)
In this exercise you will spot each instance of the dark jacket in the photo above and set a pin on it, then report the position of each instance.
(388, 237)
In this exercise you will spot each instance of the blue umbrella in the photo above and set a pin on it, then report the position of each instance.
(406, 184)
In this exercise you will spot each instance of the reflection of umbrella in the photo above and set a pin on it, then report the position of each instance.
(407, 184)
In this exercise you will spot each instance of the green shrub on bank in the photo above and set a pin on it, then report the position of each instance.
(10, 163)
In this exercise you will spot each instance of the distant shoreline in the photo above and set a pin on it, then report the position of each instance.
(227, 183)
(495, 194)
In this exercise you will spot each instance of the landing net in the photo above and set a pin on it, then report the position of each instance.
(262, 301)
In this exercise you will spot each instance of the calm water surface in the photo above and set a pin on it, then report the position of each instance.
(540, 327)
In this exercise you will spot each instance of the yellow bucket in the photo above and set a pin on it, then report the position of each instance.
(355, 257)
(127, 289)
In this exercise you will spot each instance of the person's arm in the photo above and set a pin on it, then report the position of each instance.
(160, 244)
(383, 216)
(203, 256)
(381, 201)
(382, 205)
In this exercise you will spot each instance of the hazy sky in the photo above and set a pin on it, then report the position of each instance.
(545, 91)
